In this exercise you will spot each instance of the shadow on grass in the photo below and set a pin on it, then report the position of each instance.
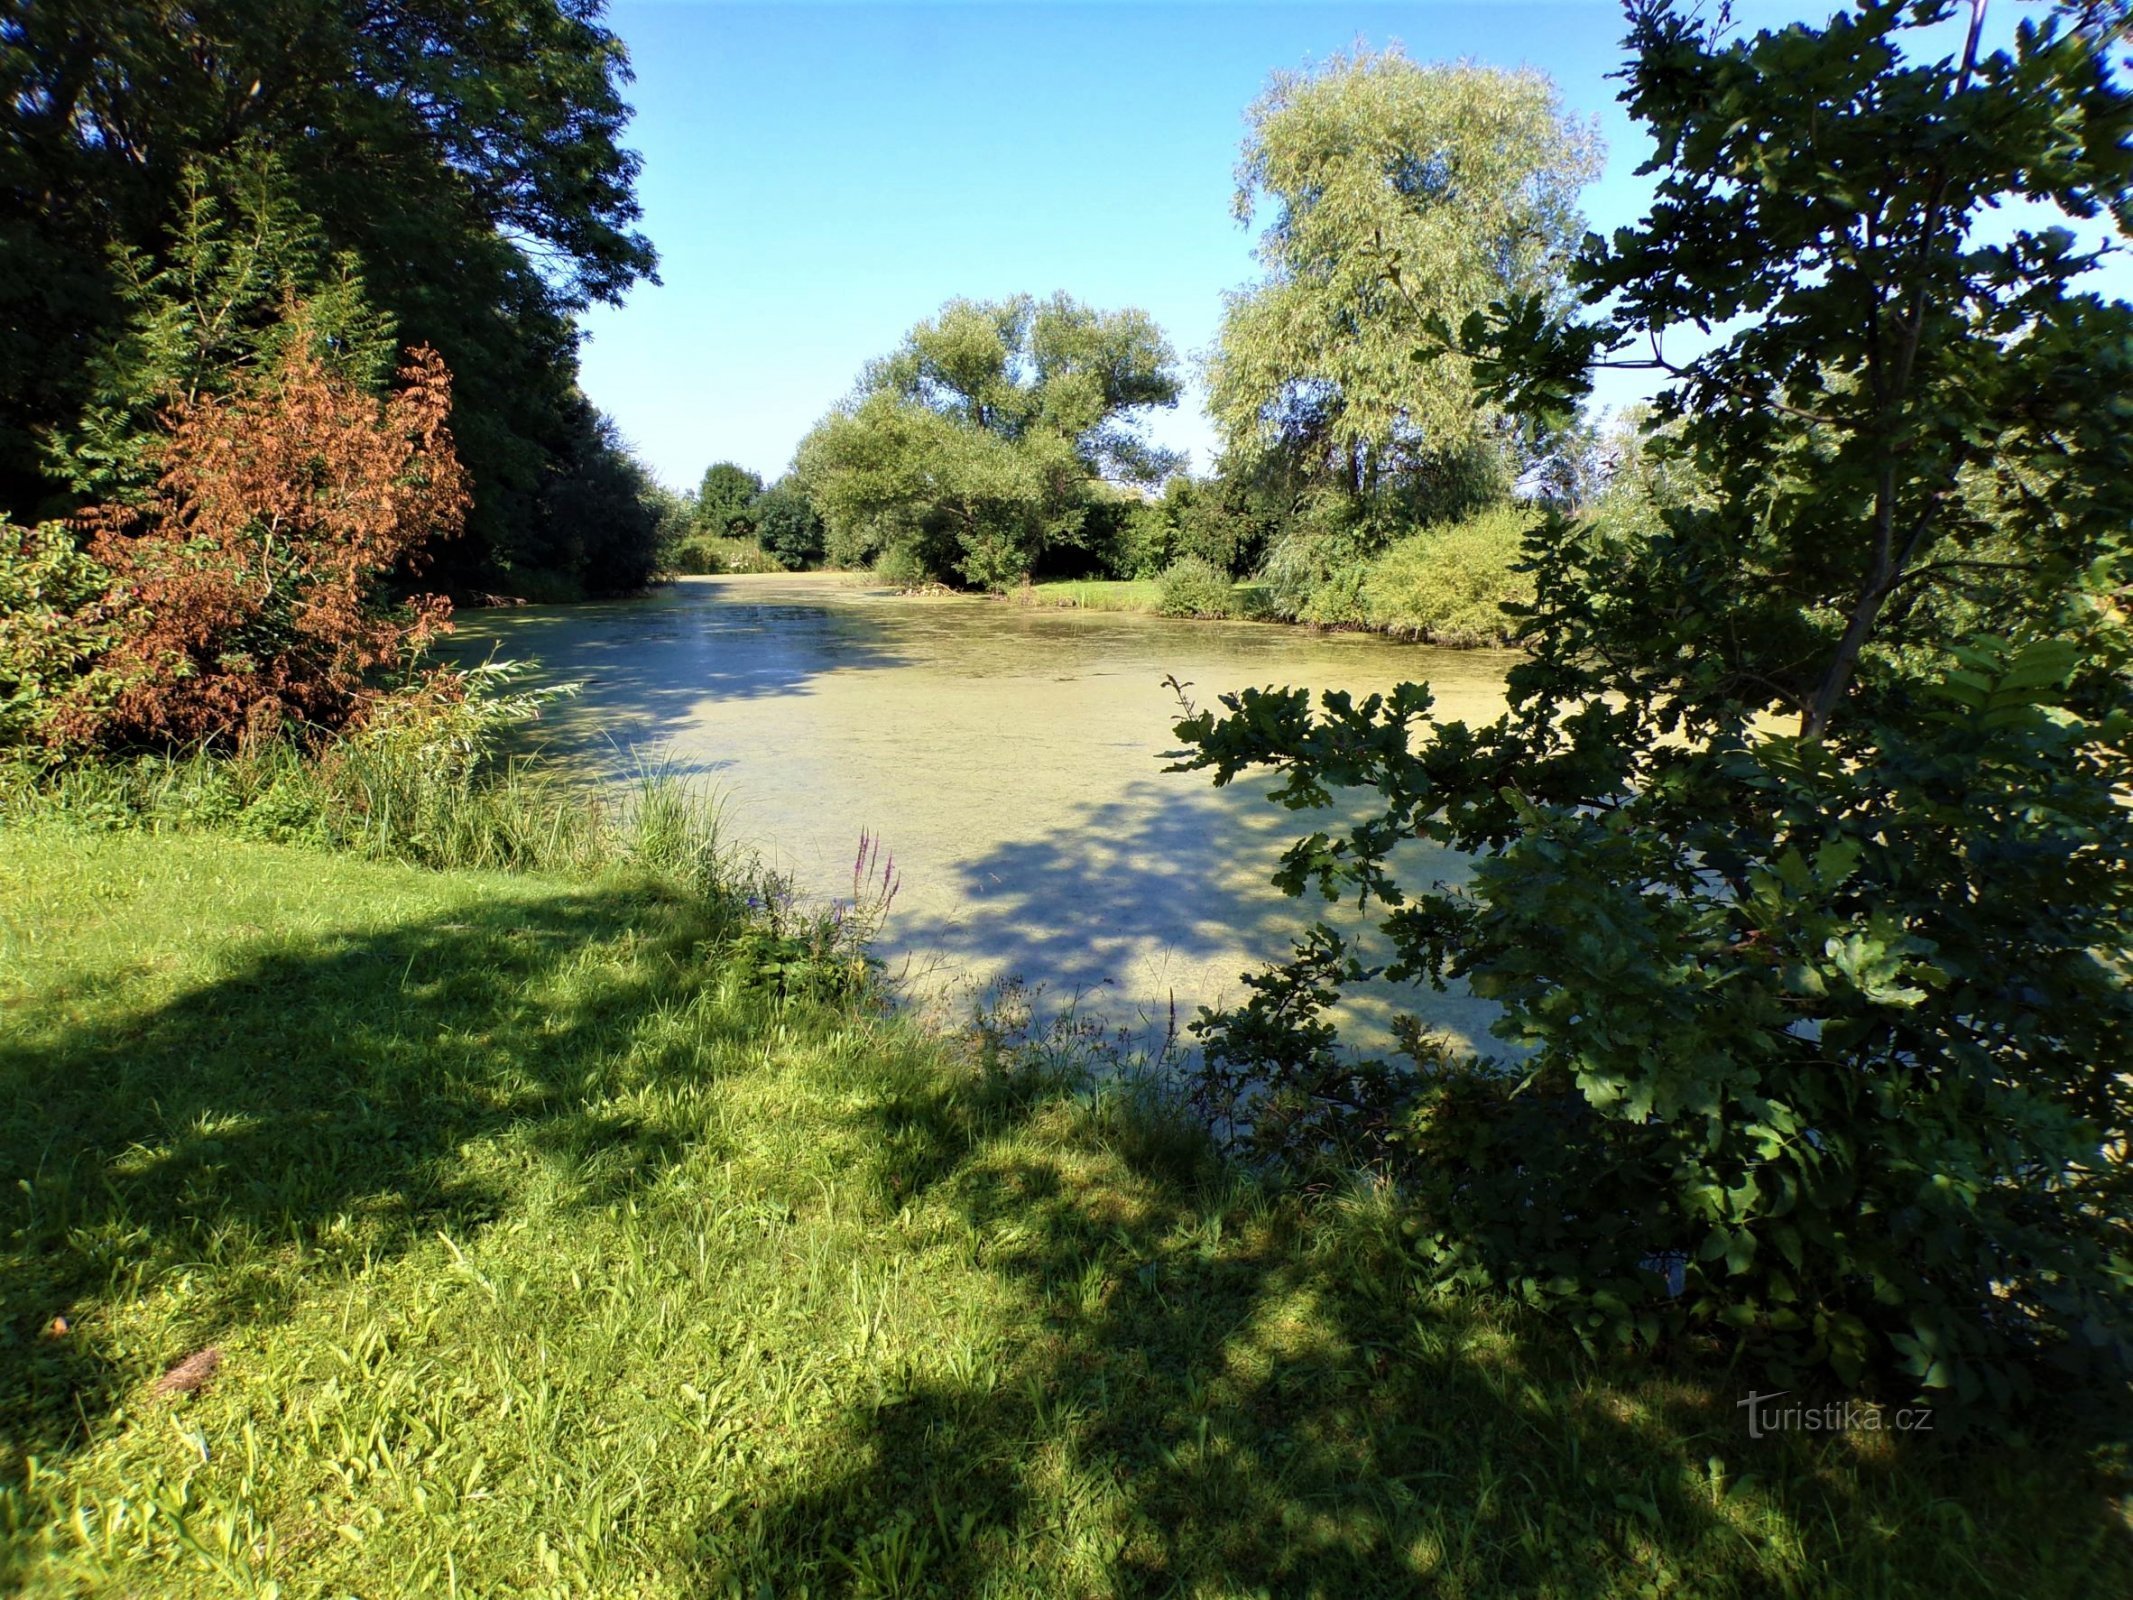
(1199, 1392)
(331, 1098)
(1216, 1393)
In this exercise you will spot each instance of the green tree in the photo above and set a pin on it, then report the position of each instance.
(465, 157)
(215, 305)
(596, 516)
(725, 501)
(1804, 866)
(788, 526)
(1464, 179)
(980, 445)
(1227, 520)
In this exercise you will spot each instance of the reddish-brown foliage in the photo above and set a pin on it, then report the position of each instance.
(250, 587)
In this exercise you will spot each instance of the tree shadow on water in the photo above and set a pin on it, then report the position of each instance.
(647, 666)
(325, 1097)
(1160, 893)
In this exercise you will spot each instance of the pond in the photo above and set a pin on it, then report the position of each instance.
(1011, 759)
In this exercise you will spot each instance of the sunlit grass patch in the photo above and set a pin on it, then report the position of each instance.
(547, 1254)
(1091, 594)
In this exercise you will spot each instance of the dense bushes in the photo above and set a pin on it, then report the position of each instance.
(704, 555)
(731, 523)
(1449, 584)
(249, 587)
(51, 631)
(1227, 520)
(788, 526)
(1316, 564)
(1193, 586)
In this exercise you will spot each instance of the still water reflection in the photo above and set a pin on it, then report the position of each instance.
(1011, 759)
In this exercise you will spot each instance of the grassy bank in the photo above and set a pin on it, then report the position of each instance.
(1143, 595)
(1090, 594)
(546, 1253)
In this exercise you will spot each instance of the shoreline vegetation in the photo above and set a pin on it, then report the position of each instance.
(429, 1172)
(1454, 616)
(593, 1227)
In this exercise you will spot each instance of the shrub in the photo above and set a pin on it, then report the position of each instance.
(689, 558)
(250, 585)
(1193, 586)
(1226, 521)
(1145, 542)
(901, 566)
(706, 556)
(50, 636)
(1314, 568)
(1449, 584)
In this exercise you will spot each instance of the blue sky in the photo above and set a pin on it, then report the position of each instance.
(820, 177)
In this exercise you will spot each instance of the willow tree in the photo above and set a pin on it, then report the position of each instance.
(1464, 180)
(985, 439)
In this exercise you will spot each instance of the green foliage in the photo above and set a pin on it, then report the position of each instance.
(1460, 179)
(1449, 584)
(461, 162)
(422, 780)
(673, 518)
(1193, 586)
(788, 526)
(1399, 192)
(1316, 565)
(899, 565)
(701, 556)
(1228, 520)
(1320, 555)
(979, 447)
(49, 635)
(210, 307)
(1825, 1024)
(725, 501)
(597, 516)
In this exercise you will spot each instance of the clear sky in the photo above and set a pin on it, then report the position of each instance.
(818, 178)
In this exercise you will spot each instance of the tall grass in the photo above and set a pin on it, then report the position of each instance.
(425, 779)
(385, 802)
(1088, 594)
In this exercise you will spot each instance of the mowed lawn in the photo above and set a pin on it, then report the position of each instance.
(543, 1257)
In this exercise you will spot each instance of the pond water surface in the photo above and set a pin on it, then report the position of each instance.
(1011, 759)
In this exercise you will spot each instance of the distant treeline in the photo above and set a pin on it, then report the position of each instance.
(1359, 483)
